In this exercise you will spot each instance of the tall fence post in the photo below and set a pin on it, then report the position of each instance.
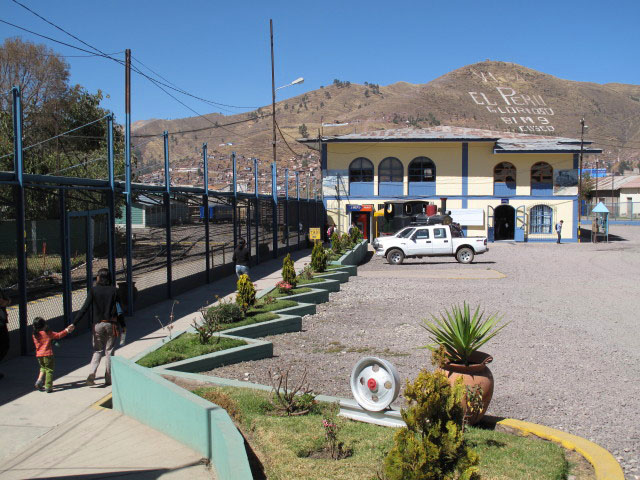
(127, 171)
(315, 202)
(286, 206)
(274, 208)
(205, 207)
(236, 228)
(21, 247)
(65, 260)
(298, 206)
(111, 227)
(257, 209)
(167, 210)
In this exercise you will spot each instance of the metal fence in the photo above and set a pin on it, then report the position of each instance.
(622, 210)
(180, 237)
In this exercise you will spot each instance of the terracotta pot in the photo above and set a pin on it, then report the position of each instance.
(476, 373)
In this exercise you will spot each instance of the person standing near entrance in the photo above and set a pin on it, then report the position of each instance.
(102, 300)
(559, 229)
(242, 257)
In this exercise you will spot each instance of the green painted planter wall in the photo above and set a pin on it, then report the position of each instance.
(142, 394)
(288, 322)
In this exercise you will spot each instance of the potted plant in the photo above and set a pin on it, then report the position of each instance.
(458, 335)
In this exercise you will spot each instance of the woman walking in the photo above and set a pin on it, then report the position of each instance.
(102, 300)
(242, 257)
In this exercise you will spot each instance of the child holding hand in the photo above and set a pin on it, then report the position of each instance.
(42, 338)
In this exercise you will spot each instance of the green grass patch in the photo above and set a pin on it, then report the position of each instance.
(37, 266)
(310, 281)
(334, 267)
(186, 346)
(276, 294)
(283, 444)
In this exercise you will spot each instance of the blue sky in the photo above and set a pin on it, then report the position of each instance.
(220, 50)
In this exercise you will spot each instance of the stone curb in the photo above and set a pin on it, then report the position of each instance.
(605, 465)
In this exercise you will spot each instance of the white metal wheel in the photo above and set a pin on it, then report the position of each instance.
(375, 383)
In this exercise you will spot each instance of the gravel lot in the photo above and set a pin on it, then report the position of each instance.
(569, 359)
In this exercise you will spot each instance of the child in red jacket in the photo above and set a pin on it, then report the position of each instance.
(42, 338)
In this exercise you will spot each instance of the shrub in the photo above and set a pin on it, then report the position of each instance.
(356, 235)
(225, 312)
(336, 244)
(306, 273)
(207, 329)
(432, 445)
(318, 258)
(246, 296)
(345, 241)
(297, 399)
(284, 287)
(460, 333)
(289, 272)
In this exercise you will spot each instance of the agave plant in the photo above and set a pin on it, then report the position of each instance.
(460, 333)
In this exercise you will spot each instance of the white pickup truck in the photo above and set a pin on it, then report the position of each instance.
(429, 241)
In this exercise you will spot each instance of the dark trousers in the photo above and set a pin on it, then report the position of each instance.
(4, 341)
(559, 235)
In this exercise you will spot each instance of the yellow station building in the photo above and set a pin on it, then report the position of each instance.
(507, 186)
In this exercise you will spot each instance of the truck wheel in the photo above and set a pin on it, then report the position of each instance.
(395, 257)
(464, 255)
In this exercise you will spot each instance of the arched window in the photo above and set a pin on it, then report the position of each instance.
(541, 219)
(390, 170)
(504, 179)
(541, 179)
(390, 176)
(361, 177)
(422, 176)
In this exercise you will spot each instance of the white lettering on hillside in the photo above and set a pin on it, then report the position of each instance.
(525, 113)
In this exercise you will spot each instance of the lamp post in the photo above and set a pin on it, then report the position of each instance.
(273, 92)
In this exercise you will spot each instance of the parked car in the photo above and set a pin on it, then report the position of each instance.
(429, 241)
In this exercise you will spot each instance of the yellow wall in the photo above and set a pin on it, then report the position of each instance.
(446, 156)
(448, 160)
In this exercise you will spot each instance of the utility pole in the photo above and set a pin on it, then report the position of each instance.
(582, 127)
(597, 161)
(273, 95)
(127, 166)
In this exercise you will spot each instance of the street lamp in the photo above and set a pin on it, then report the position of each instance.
(273, 92)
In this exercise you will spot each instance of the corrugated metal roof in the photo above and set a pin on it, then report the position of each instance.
(619, 181)
(505, 142)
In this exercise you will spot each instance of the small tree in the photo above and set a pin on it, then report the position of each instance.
(288, 271)
(318, 258)
(246, 296)
(432, 445)
(302, 129)
(336, 244)
(345, 241)
(356, 235)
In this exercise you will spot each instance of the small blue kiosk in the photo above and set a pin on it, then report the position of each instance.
(600, 222)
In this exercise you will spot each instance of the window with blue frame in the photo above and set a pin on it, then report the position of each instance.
(541, 219)
(361, 177)
(422, 176)
(504, 179)
(390, 177)
(541, 179)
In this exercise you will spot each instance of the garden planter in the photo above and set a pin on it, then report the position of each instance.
(476, 373)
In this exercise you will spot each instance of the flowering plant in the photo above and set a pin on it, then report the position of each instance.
(331, 434)
(284, 287)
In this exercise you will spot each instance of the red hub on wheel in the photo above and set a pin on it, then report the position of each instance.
(371, 383)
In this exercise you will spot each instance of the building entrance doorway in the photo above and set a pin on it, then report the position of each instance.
(362, 220)
(504, 222)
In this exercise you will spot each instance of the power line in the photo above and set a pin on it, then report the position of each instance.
(194, 130)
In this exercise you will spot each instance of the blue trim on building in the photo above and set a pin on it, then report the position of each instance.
(551, 240)
(451, 197)
(541, 189)
(390, 188)
(504, 189)
(361, 189)
(465, 173)
(634, 223)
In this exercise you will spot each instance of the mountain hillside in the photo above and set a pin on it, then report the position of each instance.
(490, 95)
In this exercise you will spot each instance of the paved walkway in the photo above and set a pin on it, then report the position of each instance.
(62, 435)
